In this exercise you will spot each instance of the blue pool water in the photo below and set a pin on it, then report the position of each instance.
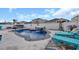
(32, 34)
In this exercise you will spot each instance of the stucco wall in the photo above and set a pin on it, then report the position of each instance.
(47, 25)
(52, 25)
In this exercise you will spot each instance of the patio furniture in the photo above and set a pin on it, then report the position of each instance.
(66, 40)
(68, 34)
(18, 26)
(9, 28)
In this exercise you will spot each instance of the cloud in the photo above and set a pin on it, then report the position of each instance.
(11, 9)
(44, 16)
(3, 20)
(50, 11)
(66, 12)
(25, 17)
(29, 17)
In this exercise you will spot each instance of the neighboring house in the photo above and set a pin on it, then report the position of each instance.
(75, 19)
(39, 20)
(22, 22)
(58, 20)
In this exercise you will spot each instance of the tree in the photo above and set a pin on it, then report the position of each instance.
(14, 21)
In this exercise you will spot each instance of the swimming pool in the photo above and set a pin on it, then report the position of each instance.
(32, 35)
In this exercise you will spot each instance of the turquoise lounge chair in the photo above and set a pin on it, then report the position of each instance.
(66, 40)
(68, 34)
(65, 33)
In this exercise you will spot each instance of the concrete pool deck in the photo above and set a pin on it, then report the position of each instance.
(10, 41)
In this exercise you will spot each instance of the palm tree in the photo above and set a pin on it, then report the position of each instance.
(14, 21)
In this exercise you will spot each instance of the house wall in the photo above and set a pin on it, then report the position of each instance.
(47, 25)
(52, 25)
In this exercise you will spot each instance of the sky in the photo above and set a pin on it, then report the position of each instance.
(28, 14)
